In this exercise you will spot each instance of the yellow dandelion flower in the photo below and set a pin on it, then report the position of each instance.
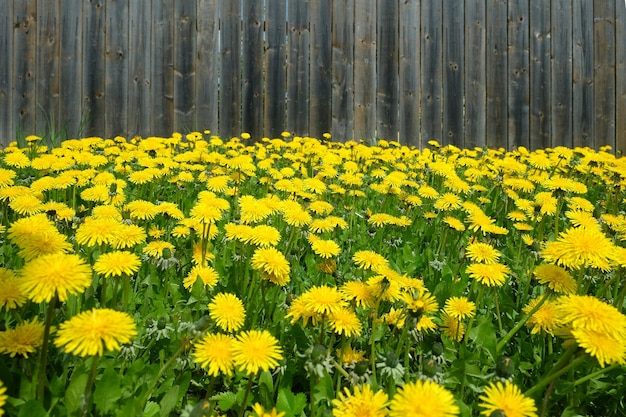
(488, 274)
(264, 236)
(228, 312)
(56, 274)
(91, 332)
(423, 399)
(117, 263)
(214, 352)
(363, 402)
(206, 274)
(605, 347)
(11, 295)
(482, 252)
(259, 411)
(545, 319)
(358, 292)
(459, 308)
(3, 397)
(272, 265)
(508, 399)
(452, 327)
(556, 278)
(367, 259)
(156, 248)
(22, 340)
(256, 350)
(588, 312)
(325, 248)
(581, 247)
(344, 321)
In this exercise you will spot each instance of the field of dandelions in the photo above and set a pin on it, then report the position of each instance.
(197, 276)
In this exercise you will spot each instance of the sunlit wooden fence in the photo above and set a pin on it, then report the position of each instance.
(536, 73)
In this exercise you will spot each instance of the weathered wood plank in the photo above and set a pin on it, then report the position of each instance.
(48, 116)
(343, 67)
(252, 82)
(70, 68)
(116, 72)
(93, 58)
(365, 69)
(275, 71)
(432, 71)
(475, 75)
(497, 95)
(230, 82)
(604, 72)
(162, 70)
(409, 73)
(540, 68)
(518, 85)
(7, 131)
(620, 79)
(24, 64)
(207, 66)
(298, 74)
(453, 72)
(140, 63)
(583, 107)
(184, 65)
(561, 82)
(387, 70)
(321, 68)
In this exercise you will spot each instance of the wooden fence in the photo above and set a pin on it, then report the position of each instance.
(534, 73)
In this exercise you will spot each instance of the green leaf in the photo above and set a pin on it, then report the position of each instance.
(484, 335)
(227, 400)
(169, 401)
(74, 393)
(266, 388)
(151, 410)
(108, 391)
(33, 408)
(289, 403)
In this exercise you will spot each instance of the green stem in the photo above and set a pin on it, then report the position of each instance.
(520, 324)
(86, 406)
(245, 397)
(495, 294)
(43, 358)
(162, 371)
(554, 375)
(595, 374)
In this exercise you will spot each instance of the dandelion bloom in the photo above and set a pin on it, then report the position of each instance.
(482, 252)
(206, 274)
(423, 399)
(256, 350)
(272, 265)
(345, 321)
(3, 397)
(362, 403)
(259, 411)
(214, 352)
(117, 264)
(95, 232)
(367, 259)
(264, 236)
(452, 327)
(325, 248)
(460, 307)
(545, 319)
(11, 295)
(605, 347)
(56, 274)
(488, 274)
(556, 278)
(588, 312)
(581, 247)
(23, 340)
(157, 247)
(228, 312)
(359, 292)
(91, 332)
(323, 299)
(508, 399)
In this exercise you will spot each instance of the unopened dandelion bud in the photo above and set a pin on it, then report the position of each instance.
(505, 367)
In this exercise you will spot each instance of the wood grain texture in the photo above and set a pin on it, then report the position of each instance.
(298, 75)
(539, 74)
(583, 114)
(320, 91)
(185, 65)
(453, 72)
(252, 81)
(275, 71)
(620, 79)
(47, 113)
(561, 73)
(519, 78)
(342, 70)
(475, 75)
(409, 73)
(604, 72)
(365, 70)
(162, 70)
(139, 83)
(116, 68)
(432, 71)
(6, 72)
(207, 66)
(497, 94)
(387, 70)
(230, 82)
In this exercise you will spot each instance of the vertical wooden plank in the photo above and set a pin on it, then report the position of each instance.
(116, 72)
(387, 70)
(365, 69)
(275, 71)
(321, 68)
(539, 72)
(518, 64)
(453, 72)
(48, 59)
(298, 67)
(561, 82)
(583, 107)
(252, 82)
(140, 63)
(93, 59)
(604, 71)
(496, 125)
(71, 71)
(208, 65)
(24, 64)
(162, 70)
(230, 86)
(343, 67)
(7, 131)
(409, 73)
(184, 65)
(475, 75)
(620, 79)
(432, 71)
